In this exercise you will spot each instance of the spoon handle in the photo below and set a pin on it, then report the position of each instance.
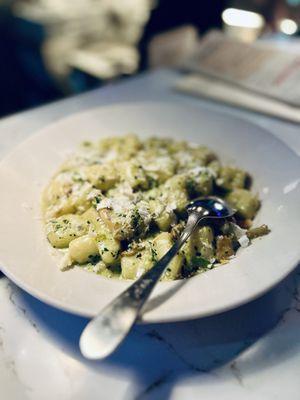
(107, 330)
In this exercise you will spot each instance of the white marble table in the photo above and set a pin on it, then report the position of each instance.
(252, 352)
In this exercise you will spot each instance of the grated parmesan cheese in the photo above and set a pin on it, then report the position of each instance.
(244, 241)
(66, 262)
(200, 169)
(105, 203)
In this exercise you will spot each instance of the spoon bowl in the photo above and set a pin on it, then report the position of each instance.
(216, 207)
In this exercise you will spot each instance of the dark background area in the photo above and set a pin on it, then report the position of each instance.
(26, 81)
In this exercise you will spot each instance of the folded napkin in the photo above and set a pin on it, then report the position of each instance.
(211, 88)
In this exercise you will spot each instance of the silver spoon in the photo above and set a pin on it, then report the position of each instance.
(105, 332)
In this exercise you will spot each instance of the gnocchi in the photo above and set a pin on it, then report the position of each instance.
(118, 206)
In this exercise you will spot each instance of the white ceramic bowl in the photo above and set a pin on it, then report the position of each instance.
(27, 259)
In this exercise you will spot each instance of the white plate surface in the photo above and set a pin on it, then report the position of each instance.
(27, 259)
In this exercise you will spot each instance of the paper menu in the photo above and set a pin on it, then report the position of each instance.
(258, 67)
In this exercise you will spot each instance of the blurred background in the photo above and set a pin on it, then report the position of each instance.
(50, 49)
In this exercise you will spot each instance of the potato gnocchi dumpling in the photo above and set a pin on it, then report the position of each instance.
(118, 205)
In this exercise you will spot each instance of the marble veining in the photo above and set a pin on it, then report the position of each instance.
(153, 387)
(19, 307)
(155, 335)
(7, 359)
(156, 361)
(250, 353)
(236, 372)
